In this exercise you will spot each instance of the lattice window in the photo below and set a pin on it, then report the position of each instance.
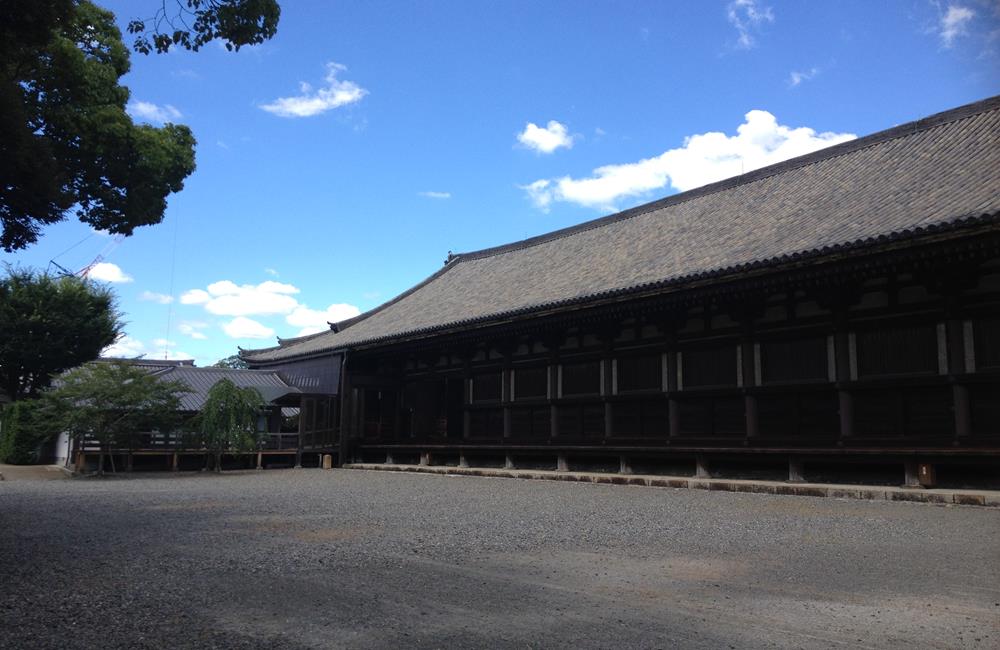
(531, 383)
(581, 378)
(531, 422)
(639, 373)
(486, 423)
(705, 367)
(985, 409)
(795, 360)
(986, 334)
(487, 387)
(581, 421)
(641, 419)
(908, 350)
(712, 416)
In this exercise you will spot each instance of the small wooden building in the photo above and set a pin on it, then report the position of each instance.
(840, 309)
(179, 446)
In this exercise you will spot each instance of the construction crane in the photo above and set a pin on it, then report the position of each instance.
(62, 271)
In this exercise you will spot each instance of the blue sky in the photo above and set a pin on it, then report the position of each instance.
(341, 161)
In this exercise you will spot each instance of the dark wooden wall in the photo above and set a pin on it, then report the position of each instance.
(894, 356)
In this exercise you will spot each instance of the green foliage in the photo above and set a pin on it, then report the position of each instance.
(109, 400)
(196, 22)
(232, 361)
(20, 434)
(50, 324)
(66, 141)
(228, 420)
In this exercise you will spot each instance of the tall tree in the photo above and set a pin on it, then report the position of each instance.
(66, 142)
(48, 325)
(193, 23)
(233, 361)
(109, 400)
(229, 419)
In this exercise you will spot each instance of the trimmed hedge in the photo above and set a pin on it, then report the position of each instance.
(19, 439)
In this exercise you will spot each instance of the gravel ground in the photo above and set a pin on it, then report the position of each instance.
(313, 559)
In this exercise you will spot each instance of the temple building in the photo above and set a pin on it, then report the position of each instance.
(837, 312)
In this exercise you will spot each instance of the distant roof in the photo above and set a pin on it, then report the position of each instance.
(152, 365)
(269, 383)
(918, 177)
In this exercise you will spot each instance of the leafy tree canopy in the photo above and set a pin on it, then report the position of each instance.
(66, 142)
(193, 23)
(232, 361)
(229, 418)
(50, 324)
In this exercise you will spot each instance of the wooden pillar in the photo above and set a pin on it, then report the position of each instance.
(346, 396)
(175, 465)
(842, 374)
(553, 394)
(955, 337)
(260, 459)
(745, 313)
(507, 350)
(552, 341)
(669, 325)
(607, 336)
(952, 283)
(839, 299)
(673, 406)
(467, 355)
(747, 366)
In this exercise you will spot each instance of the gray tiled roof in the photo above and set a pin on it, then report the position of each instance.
(200, 380)
(899, 182)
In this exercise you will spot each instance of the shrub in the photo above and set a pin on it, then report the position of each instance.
(20, 439)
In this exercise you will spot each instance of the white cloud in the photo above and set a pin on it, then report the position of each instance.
(435, 195)
(195, 297)
(226, 298)
(125, 347)
(150, 112)
(191, 328)
(152, 296)
(545, 140)
(703, 159)
(954, 23)
(272, 272)
(311, 102)
(796, 78)
(246, 328)
(108, 272)
(313, 320)
(747, 16)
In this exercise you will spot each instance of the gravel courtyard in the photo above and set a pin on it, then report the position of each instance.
(347, 558)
